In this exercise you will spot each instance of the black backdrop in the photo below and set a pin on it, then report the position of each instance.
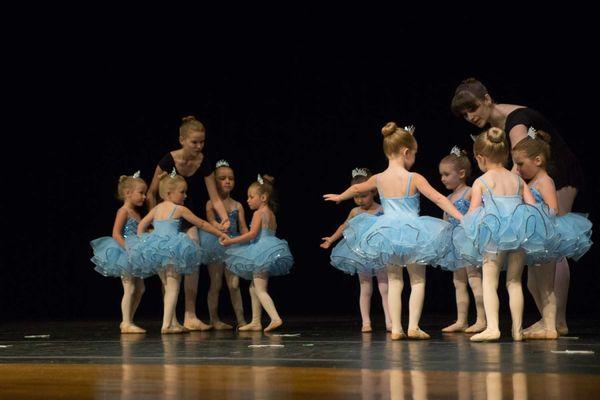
(304, 107)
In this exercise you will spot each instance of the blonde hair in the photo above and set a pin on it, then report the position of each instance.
(188, 124)
(460, 162)
(127, 182)
(168, 184)
(395, 138)
(540, 146)
(492, 144)
(268, 188)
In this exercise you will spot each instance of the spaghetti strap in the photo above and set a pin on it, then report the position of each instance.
(410, 175)
(172, 212)
(519, 186)
(462, 196)
(485, 184)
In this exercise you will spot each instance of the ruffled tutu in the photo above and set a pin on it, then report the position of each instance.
(212, 250)
(575, 232)
(404, 239)
(153, 252)
(452, 261)
(344, 255)
(110, 258)
(268, 254)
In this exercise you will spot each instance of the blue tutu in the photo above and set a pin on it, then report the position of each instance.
(213, 251)
(343, 257)
(165, 246)
(503, 223)
(110, 258)
(401, 237)
(573, 233)
(265, 254)
(451, 261)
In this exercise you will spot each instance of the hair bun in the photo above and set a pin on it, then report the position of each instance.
(389, 129)
(189, 118)
(122, 178)
(496, 135)
(269, 179)
(545, 136)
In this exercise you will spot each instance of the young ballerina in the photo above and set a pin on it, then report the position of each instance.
(346, 260)
(166, 250)
(572, 231)
(400, 237)
(455, 169)
(214, 253)
(496, 231)
(110, 257)
(259, 254)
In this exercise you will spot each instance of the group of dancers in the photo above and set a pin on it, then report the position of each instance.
(506, 220)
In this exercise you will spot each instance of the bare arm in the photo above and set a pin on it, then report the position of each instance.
(152, 194)
(548, 192)
(146, 221)
(475, 196)
(199, 222)
(516, 134)
(120, 220)
(210, 215)
(211, 187)
(248, 236)
(329, 240)
(439, 199)
(353, 190)
(527, 196)
(242, 219)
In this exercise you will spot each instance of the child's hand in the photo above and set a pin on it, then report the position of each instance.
(332, 197)
(326, 242)
(224, 225)
(224, 240)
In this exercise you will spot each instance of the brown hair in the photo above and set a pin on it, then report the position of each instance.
(168, 184)
(467, 96)
(395, 138)
(492, 144)
(540, 146)
(188, 124)
(127, 182)
(460, 162)
(361, 178)
(268, 188)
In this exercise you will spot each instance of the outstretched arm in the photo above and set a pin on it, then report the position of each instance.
(151, 195)
(199, 222)
(120, 220)
(476, 195)
(255, 227)
(329, 240)
(439, 199)
(353, 190)
(211, 187)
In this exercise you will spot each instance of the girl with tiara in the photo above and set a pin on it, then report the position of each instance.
(572, 231)
(496, 231)
(455, 169)
(400, 237)
(110, 257)
(167, 251)
(346, 260)
(259, 254)
(214, 253)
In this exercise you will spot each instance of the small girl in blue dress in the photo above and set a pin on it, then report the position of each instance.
(455, 169)
(258, 254)
(572, 234)
(167, 251)
(400, 237)
(214, 253)
(110, 256)
(346, 260)
(495, 230)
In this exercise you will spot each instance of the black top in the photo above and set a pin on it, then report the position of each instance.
(563, 166)
(196, 189)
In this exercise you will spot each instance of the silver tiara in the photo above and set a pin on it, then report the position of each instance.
(260, 179)
(136, 174)
(173, 173)
(222, 163)
(359, 172)
(455, 151)
(410, 129)
(532, 133)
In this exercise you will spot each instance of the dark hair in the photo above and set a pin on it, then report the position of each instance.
(467, 96)
(540, 146)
